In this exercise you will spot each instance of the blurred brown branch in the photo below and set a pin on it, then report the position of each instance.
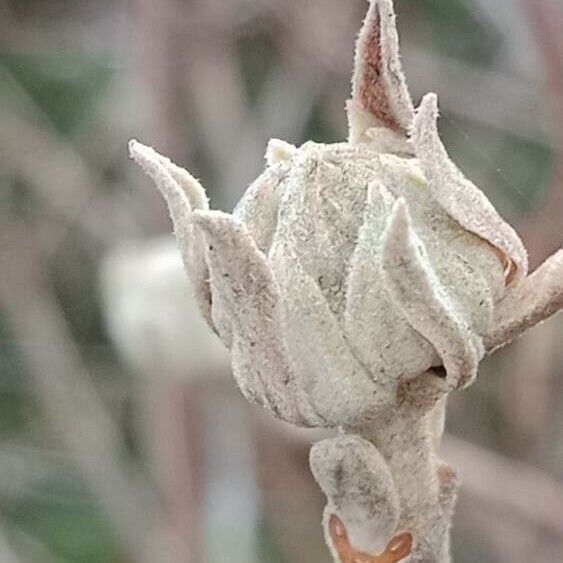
(542, 231)
(59, 176)
(517, 488)
(66, 393)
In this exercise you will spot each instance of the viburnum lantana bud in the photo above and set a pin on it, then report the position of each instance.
(357, 284)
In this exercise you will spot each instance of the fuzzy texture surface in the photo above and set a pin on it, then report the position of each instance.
(356, 285)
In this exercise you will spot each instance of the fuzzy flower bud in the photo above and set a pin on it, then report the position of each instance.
(356, 284)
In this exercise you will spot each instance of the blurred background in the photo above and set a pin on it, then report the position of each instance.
(122, 436)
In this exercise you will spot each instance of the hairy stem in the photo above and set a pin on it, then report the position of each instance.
(426, 487)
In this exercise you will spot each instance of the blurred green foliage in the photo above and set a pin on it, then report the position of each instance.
(452, 28)
(65, 519)
(64, 85)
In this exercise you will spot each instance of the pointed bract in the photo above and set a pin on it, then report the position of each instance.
(340, 387)
(183, 194)
(424, 301)
(459, 196)
(154, 164)
(379, 93)
(534, 300)
(242, 283)
(369, 312)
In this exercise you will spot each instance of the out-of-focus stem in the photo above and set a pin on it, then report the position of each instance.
(427, 489)
(7, 554)
(175, 440)
(541, 231)
(65, 391)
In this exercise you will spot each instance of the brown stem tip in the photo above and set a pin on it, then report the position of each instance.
(397, 549)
